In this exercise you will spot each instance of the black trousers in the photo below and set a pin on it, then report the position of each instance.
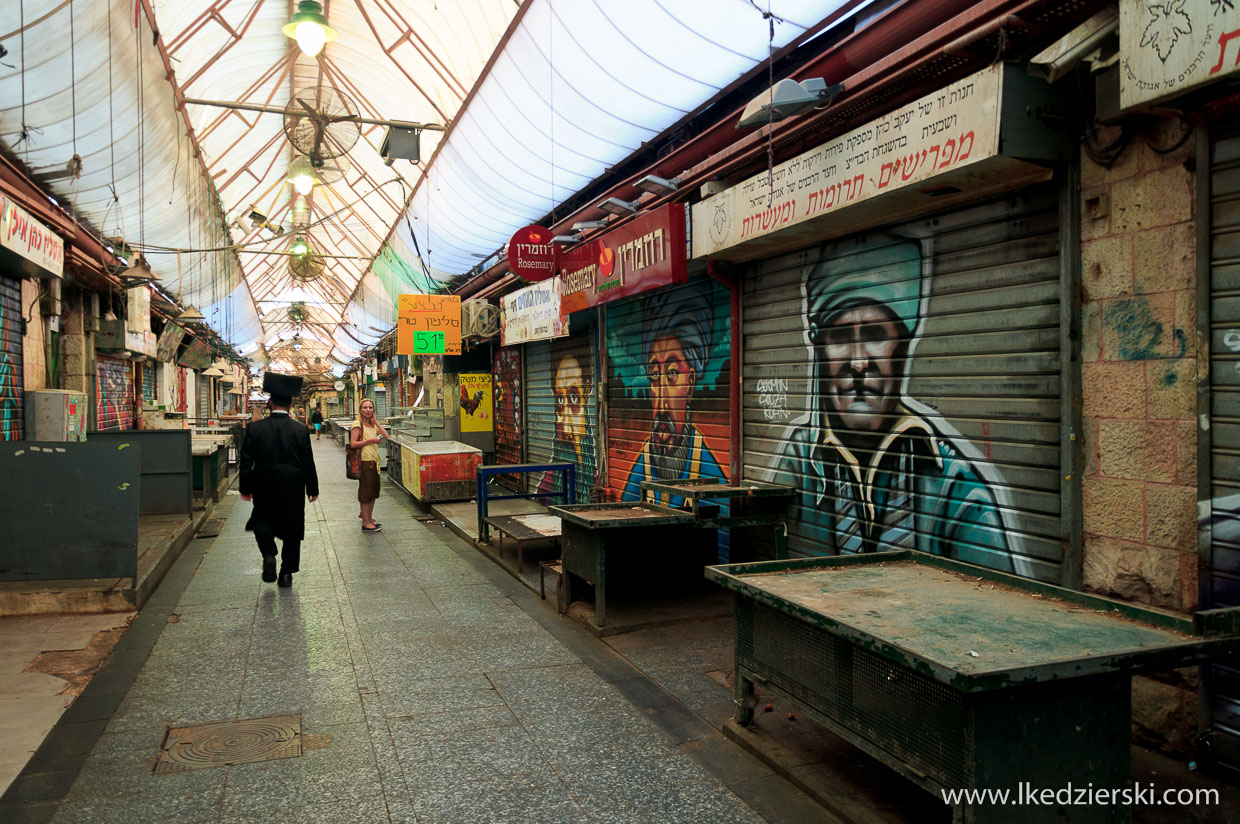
(290, 554)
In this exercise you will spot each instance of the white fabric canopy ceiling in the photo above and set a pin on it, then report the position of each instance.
(578, 87)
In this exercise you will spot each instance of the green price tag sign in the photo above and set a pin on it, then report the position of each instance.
(429, 343)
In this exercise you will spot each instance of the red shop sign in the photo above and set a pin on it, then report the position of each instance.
(531, 255)
(643, 254)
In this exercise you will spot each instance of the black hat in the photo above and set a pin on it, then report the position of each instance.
(275, 384)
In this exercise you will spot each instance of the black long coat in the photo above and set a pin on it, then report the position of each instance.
(277, 468)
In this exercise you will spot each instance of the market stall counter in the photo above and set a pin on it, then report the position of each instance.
(959, 677)
(631, 548)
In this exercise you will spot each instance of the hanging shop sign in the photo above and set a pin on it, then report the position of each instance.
(169, 342)
(196, 355)
(532, 313)
(428, 325)
(1169, 48)
(477, 403)
(531, 254)
(933, 153)
(25, 236)
(644, 254)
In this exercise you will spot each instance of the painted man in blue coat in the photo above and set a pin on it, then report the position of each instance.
(876, 469)
(676, 345)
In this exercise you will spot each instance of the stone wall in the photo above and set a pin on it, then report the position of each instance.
(1139, 347)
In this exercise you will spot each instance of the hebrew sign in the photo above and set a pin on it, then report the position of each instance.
(941, 132)
(428, 325)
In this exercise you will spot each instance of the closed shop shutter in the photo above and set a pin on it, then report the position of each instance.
(12, 403)
(204, 396)
(1222, 587)
(507, 376)
(148, 383)
(381, 403)
(667, 389)
(926, 415)
(562, 409)
(115, 393)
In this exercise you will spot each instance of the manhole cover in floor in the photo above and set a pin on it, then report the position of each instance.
(223, 743)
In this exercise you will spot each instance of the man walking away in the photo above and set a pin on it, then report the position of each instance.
(278, 475)
(316, 420)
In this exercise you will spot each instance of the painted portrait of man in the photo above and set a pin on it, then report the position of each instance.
(574, 435)
(676, 345)
(878, 470)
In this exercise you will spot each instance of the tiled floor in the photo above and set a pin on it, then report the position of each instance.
(445, 701)
(32, 702)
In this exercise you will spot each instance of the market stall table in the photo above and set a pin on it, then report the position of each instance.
(535, 527)
(210, 463)
(960, 677)
(630, 546)
(750, 505)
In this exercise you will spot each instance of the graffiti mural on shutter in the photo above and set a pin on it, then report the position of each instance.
(148, 382)
(11, 381)
(667, 413)
(507, 373)
(906, 382)
(1222, 585)
(115, 390)
(562, 409)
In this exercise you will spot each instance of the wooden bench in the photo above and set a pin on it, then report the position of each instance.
(525, 529)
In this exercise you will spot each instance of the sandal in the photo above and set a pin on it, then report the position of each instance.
(375, 528)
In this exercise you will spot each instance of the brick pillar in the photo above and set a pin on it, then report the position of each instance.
(1140, 348)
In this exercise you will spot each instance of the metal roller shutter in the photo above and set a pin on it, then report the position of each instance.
(932, 421)
(115, 390)
(1222, 585)
(380, 399)
(561, 405)
(12, 403)
(204, 396)
(148, 383)
(507, 375)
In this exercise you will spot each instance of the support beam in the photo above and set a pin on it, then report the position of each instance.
(369, 121)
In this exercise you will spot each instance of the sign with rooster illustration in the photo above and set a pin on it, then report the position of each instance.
(477, 403)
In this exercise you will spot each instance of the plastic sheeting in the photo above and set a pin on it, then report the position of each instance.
(579, 86)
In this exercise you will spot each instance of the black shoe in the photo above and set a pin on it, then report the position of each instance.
(286, 579)
(269, 568)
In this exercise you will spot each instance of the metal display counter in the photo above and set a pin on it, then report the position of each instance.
(751, 506)
(434, 471)
(630, 547)
(957, 676)
(567, 493)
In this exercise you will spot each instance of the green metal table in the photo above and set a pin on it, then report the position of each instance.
(751, 505)
(960, 677)
(629, 545)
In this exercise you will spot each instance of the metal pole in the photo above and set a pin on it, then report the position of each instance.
(254, 107)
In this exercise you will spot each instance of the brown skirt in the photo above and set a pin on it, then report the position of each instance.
(368, 482)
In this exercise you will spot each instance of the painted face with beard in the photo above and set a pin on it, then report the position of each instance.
(862, 353)
(571, 387)
(672, 381)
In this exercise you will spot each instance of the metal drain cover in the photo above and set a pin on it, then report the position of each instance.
(223, 743)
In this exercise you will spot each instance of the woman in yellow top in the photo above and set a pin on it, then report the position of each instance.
(365, 434)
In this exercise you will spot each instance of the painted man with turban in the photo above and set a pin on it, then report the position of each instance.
(877, 470)
(676, 345)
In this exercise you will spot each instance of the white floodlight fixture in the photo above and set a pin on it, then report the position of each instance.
(656, 185)
(786, 99)
(616, 206)
(571, 237)
(585, 225)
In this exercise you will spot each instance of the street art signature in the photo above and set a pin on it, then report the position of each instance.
(876, 469)
(671, 351)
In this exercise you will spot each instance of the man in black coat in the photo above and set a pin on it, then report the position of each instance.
(278, 475)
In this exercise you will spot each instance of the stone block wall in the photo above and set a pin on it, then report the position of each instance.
(1139, 374)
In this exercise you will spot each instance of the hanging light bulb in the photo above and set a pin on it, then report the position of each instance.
(304, 184)
(300, 247)
(309, 28)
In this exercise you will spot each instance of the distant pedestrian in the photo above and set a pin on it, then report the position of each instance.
(317, 420)
(365, 434)
(278, 475)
